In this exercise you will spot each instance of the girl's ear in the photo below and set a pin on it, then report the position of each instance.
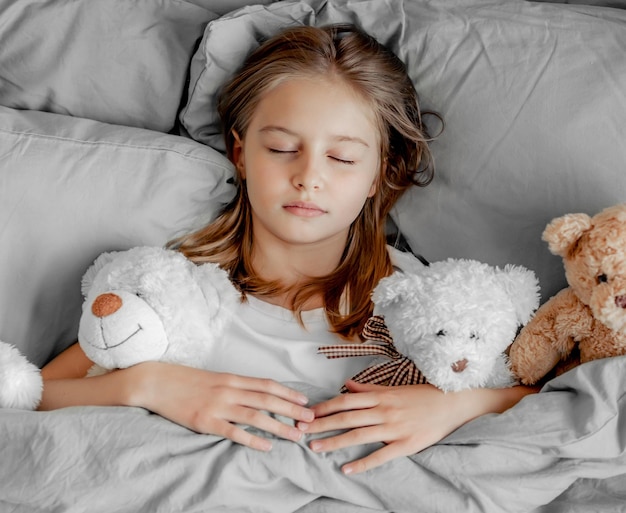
(238, 158)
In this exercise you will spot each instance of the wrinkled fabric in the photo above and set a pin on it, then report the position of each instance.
(115, 61)
(563, 446)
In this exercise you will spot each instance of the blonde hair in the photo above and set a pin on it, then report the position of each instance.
(379, 77)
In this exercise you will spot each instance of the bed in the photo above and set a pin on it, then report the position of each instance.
(109, 139)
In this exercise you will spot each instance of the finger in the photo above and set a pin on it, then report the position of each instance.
(344, 402)
(356, 387)
(268, 386)
(273, 404)
(260, 420)
(375, 459)
(359, 436)
(241, 436)
(344, 420)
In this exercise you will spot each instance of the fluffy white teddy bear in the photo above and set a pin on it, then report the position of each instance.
(151, 303)
(448, 324)
(455, 318)
(145, 303)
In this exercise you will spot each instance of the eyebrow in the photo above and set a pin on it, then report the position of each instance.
(339, 138)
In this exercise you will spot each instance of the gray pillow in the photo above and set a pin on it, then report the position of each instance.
(115, 61)
(222, 7)
(71, 189)
(532, 95)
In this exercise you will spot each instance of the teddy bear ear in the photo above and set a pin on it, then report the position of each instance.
(562, 233)
(522, 288)
(94, 269)
(394, 288)
(219, 292)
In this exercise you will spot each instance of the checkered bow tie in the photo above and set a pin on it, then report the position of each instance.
(399, 370)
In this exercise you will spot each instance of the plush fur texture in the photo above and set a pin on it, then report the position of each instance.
(586, 320)
(455, 319)
(20, 380)
(150, 303)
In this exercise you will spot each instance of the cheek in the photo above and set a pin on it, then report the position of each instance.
(376, 176)
(353, 203)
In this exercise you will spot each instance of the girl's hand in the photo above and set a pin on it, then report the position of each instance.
(406, 418)
(206, 402)
(214, 403)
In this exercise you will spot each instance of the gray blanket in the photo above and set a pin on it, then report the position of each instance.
(560, 450)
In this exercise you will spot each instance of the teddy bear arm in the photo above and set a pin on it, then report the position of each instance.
(550, 337)
(533, 354)
(573, 319)
(603, 343)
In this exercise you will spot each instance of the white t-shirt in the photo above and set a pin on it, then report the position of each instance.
(266, 340)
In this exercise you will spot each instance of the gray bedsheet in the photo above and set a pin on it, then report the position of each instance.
(560, 450)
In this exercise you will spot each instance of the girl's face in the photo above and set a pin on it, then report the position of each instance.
(310, 158)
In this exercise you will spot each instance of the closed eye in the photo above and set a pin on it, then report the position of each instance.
(275, 150)
(343, 161)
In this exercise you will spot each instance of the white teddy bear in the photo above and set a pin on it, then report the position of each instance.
(448, 324)
(145, 303)
(455, 319)
(20, 380)
(151, 303)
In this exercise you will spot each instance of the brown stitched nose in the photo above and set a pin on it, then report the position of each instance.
(459, 366)
(620, 301)
(106, 304)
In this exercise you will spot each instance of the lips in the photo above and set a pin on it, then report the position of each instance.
(304, 209)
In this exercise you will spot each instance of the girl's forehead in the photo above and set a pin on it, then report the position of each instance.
(289, 96)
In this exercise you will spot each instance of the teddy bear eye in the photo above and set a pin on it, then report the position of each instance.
(473, 336)
(441, 333)
(602, 278)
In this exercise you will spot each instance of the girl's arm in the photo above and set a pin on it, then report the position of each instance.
(204, 401)
(406, 418)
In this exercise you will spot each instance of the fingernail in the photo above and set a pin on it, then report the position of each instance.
(302, 426)
(347, 470)
(295, 434)
(315, 446)
(302, 399)
(308, 415)
(266, 445)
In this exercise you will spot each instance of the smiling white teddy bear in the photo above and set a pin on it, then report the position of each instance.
(151, 303)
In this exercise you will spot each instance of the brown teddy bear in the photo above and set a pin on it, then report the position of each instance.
(586, 320)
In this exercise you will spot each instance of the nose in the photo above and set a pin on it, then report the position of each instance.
(459, 366)
(620, 301)
(308, 176)
(106, 304)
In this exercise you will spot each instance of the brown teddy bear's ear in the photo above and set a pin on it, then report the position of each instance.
(562, 233)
